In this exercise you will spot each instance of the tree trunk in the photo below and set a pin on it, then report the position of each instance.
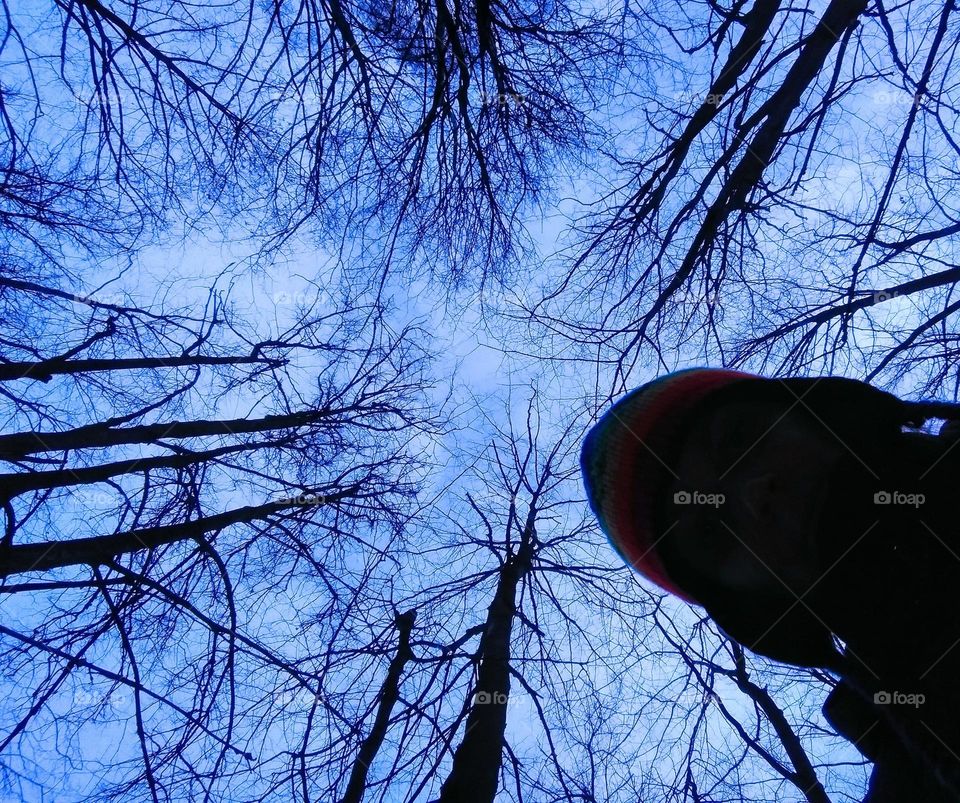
(389, 694)
(45, 370)
(98, 549)
(476, 762)
(12, 485)
(18, 444)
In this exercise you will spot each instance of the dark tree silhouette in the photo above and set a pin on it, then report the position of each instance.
(153, 530)
(211, 517)
(795, 208)
(389, 694)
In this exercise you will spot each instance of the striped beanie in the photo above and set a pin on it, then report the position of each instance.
(627, 460)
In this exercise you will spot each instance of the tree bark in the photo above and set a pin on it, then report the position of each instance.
(805, 776)
(476, 763)
(19, 444)
(839, 16)
(45, 370)
(98, 549)
(389, 694)
(12, 485)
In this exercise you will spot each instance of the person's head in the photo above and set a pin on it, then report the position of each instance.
(773, 503)
(728, 489)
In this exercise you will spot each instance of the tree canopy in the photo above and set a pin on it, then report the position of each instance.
(305, 309)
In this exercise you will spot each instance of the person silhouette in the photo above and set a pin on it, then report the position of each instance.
(815, 522)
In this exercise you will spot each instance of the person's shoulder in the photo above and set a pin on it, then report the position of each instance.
(950, 430)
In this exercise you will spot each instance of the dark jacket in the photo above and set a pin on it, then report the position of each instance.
(889, 594)
(888, 582)
(879, 611)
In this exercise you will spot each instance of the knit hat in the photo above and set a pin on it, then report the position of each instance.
(626, 462)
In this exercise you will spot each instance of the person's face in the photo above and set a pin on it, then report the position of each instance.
(751, 480)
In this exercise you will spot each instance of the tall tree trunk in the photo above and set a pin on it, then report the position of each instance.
(92, 436)
(45, 370)
(96, 550)
(804, 775)
(12, 485)
(389, 694)
(476, 762)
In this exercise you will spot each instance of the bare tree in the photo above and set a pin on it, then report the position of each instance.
(795, 211)
(212, 522)
(421, 128)
(149, 533)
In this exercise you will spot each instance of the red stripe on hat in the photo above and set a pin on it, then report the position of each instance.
(627, 457)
